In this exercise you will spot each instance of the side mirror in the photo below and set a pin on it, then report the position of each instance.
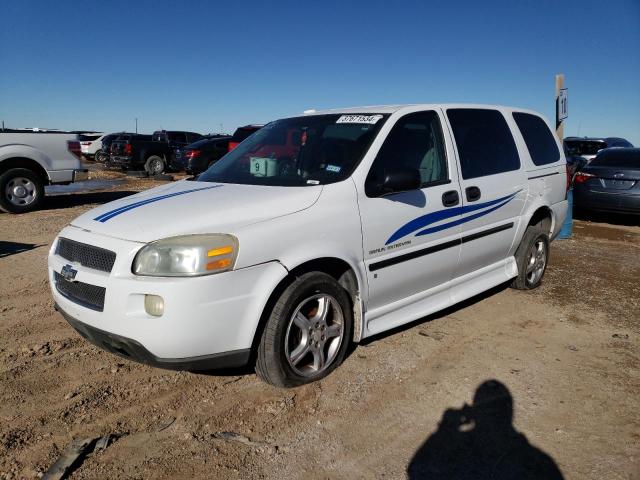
(399, 179)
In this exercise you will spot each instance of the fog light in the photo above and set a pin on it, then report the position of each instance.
(154, 305)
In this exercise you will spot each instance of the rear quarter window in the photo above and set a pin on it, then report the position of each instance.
(484, 140)
(539, 139)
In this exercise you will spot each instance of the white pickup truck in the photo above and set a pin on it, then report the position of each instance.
(31, 160)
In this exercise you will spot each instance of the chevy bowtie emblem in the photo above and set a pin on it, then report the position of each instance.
(68, 272)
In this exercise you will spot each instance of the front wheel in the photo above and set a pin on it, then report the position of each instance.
(532, 257)
(21, 190)
(307, 333)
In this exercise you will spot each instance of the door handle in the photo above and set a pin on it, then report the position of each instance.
(450, 198)
(472, 193)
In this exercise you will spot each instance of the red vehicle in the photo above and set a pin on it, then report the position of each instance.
(241, 133)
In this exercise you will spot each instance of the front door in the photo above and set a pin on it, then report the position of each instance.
(410, 242)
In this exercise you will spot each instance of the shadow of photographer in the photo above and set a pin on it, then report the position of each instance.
(479, 442)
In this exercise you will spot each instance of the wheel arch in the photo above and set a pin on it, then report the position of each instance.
(544, 215)
(341, 270)
(25, 162)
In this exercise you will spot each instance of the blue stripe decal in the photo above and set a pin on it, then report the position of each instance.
(434, 217)
(444, 226)
(114, 213)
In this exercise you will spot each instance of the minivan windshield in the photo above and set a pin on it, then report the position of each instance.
(300, 151)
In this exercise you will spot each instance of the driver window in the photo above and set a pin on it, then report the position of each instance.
(415, 141)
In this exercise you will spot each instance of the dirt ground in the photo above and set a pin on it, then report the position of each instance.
(565, 358)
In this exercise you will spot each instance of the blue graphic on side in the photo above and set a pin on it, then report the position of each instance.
(114, 213)
(434, 217)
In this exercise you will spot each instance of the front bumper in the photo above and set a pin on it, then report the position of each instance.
(203, 316)
(132, 350)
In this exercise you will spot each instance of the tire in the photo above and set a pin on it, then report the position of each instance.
(323, 336)
(101, 157)
(532, 258)
(155, 165)
(21, 190)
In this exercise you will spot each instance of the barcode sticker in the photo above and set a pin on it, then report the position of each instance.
(367, 119)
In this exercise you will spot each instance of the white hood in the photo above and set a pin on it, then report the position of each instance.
(187, 207)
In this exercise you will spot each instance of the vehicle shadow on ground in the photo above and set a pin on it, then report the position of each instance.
(606, 217)
(11, 248)
(71, 200)
(478, 441)
(248, 369)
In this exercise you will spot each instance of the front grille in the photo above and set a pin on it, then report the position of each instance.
(90, 296)
(86, 255)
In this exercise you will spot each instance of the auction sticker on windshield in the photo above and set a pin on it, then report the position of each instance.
(369, 119)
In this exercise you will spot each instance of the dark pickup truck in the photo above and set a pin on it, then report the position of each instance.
(154, 155)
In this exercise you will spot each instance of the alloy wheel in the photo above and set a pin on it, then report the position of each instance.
(314, 335)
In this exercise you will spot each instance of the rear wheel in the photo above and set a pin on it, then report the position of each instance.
(307, 334)
(154, 165)
(101, 157)
(532, 257)
(21, 190)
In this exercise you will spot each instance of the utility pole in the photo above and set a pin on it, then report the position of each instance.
(562, 112)
(136, 124)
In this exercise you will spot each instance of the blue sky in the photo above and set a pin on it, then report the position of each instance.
(196, 65)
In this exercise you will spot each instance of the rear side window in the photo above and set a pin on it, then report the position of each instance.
(241, 133)
(485, 144)
(540, 142)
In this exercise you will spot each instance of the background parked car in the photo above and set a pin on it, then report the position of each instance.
(31, 160)
(176, 140)
(86, 141)
(198, 156)
(155, 153)
(241, 133)
(610, 182)
(588, 147)
(102, 154)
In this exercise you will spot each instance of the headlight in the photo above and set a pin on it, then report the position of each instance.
(187, 256)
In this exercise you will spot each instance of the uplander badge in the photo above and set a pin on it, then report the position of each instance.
(68, 272)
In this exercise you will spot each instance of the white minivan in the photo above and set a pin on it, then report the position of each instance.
(316, 231)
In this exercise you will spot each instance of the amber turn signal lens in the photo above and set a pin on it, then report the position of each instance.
(219, 264)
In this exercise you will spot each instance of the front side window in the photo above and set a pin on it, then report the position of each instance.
(414, 142)
(485, 144)
(539, 139)
(300, 151)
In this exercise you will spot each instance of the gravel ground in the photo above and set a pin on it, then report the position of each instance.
(563, 363)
